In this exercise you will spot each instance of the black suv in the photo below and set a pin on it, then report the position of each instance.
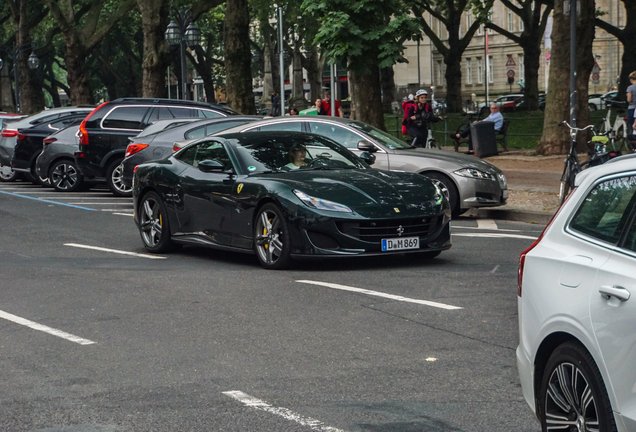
(103, 135)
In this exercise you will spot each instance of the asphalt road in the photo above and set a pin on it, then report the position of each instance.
(93, 340)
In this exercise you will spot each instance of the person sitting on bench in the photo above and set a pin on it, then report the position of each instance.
(495, 116)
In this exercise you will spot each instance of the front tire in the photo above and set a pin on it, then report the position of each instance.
(572, 395)
(448, 188)
(272, 241)
(8, 174)
(154, 226)
(65, 177)
(115, 180)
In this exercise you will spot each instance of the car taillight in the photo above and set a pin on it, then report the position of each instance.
(83, 133)
(175, 147)
(522, 257)
(9, 133)
(49, 140)
(134, 148)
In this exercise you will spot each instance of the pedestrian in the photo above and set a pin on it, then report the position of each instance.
(318, 106)
(418, 116)
(275, 104)
(495, 117)
(405, 106)
(631, 98)
(293, 111)
(326, 106)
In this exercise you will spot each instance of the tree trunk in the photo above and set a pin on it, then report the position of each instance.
(314, 74)
(268, 78)
(298, 90)
(156, 58)
(28, 83)
(368, 99)
(555, 140)
(238, 57)
(77, 76)
(453, 77)
(532, 60)
(388, 88)
(6, 96)
(352, 92)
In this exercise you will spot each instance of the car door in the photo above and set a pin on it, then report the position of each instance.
(613, 303)
(348, 139)
(206, 197)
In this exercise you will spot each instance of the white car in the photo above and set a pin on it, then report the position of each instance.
(577, 321)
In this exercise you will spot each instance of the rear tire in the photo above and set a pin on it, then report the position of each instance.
(115, 180)
(8, 174)
(65, 177)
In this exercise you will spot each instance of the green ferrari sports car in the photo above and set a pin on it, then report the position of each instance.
(286, 195)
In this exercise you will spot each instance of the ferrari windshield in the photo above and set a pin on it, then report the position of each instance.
(381, 136)
(288, 151)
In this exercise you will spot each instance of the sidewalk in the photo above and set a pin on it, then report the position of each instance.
(533, 184)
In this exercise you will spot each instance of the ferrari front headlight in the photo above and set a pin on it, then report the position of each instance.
(321, 204)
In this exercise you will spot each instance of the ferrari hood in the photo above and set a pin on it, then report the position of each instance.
(371, 193)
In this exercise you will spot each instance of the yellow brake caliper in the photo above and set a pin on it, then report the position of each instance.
(265, 233)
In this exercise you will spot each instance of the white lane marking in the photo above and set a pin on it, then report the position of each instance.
(124, 214)
(380, 294)
(113, 209)
(115, 251)
(495, 269)
(287, 414)
(487, 224)
(494, 235)
(478, 228)
(45, 329)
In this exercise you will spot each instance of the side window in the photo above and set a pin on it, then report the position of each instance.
(182, 112)
(125, 117)
(196, 133)
(217, 127)
(630, 240)
(604, 212)
(64, 122)
(287, 126)
(159, 113)
(337, 133)
(212, 150)
(208, 114)
(187, 156)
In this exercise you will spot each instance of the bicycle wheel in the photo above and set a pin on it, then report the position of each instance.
(567, 179)
(434, 145)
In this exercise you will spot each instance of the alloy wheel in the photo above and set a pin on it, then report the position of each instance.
(151, 222)
(7, 173)
(117, 179)
(64, 177)
(269, 241)
(569, 402)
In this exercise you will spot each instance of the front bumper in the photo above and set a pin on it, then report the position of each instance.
(481, 192)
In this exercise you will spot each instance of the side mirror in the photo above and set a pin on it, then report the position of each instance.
(210, 165)
(368, 158)
(367, 146)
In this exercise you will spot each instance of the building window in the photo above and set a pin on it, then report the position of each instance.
(491, 70)
(510, 21)
(469, 19)
(521, 22)
(490, 18)
(469, 71)
(440, 72)
(480, 30)
(522, 68)
(480, 70)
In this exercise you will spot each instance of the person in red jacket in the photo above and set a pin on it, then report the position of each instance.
(418, 116)
(405, 106)
(326, 106)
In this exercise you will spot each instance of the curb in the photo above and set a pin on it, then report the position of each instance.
(510, 215)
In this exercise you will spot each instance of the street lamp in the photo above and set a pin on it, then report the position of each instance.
(182, 31)
(14, 53)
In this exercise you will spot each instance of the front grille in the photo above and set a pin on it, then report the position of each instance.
(375, 231)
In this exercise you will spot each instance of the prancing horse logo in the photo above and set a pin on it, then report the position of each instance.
(400, 231)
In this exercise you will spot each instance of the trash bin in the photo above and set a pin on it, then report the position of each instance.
(484, 139)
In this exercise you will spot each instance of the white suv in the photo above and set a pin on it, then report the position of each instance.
(577, 321)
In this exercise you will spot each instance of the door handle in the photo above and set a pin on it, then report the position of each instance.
(620, 293)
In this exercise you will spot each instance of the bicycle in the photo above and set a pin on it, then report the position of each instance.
(572, 166)
(616, 132)
(472, 117)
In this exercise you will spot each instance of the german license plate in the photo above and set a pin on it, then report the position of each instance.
(393, 244)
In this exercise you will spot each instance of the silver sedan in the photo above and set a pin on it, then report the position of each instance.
(467, 181)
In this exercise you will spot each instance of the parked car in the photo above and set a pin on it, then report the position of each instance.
(30, 142)
(103, 135)
(238, 192)
(505, 103)
(9, 117)
(594, 101)
(577, 349)
(146, 147)
(520, 104)
(466, 180)
(57, 162)
(9, 133)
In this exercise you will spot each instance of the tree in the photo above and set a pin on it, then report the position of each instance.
(534, 15)
(627, 36)
(449, 12)
(555, 140)
(82, 36)
(366, 35)
(238, 57)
